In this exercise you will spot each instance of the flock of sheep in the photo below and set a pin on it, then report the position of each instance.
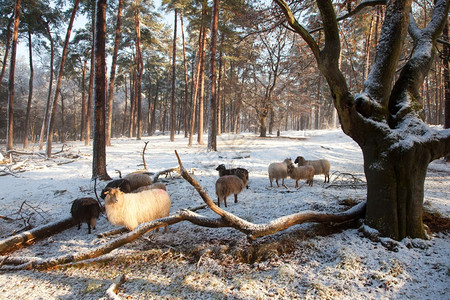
(135, 199)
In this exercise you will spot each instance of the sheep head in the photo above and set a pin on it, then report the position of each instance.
(113, 195)
(300, 160)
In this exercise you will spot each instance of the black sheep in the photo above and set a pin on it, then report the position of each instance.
(85, 210)
(122, 184)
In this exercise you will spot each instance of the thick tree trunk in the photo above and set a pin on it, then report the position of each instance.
(395, 189)
(99, 147)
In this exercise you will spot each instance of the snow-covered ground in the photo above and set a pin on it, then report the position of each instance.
(191, 262)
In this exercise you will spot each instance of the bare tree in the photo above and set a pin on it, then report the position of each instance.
(385, 118)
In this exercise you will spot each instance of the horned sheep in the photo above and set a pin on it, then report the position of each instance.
(278, 170)
(321, 166)
(132, 209)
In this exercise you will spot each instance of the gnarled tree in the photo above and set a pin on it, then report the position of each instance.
(385, 119)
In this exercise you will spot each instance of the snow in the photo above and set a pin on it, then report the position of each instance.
(191, 262)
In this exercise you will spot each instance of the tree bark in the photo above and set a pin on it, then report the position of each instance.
(99, 147)
(212, 130)
(174, 69)
(11, 85)
(30, 92)
(112, 75)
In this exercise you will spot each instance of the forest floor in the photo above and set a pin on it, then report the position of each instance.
(307, 261)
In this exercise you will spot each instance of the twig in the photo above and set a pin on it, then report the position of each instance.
(143, 158)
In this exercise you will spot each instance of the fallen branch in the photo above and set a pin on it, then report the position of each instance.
(37, 233)
(111, 292)
(254, 231)
(163, 172)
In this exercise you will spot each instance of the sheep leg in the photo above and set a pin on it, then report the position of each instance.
(89, 228)
(235, 198)
(296, 184)
(225, 201)
(218, 201)
(276, 180)
(79, 226)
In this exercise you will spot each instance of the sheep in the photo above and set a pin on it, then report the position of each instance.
(132, 209)
(123, 184)
(278, 170)
(227, 185)
(85, 210)
(138, 179)
(240, 172)
(321, 166)
(302, 172)
(153, 186)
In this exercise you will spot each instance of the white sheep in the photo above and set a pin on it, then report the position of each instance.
(278, 170)
(321, 166)
(227, 185)
(132, 209)
(153, 186)
(302, 172)
(138, 179)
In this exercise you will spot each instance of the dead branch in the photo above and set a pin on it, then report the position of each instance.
(111, 292)
(37, 233)
(5, 218)
(143, 158)
(113, 232)
(165, 172)
(254, 231)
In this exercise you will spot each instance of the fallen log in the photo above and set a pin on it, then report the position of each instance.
(14, 241)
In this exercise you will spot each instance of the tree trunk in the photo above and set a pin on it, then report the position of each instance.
(174, 68)
(11, 93)
(58, 84)
(50, 87)
(139, 72)
(195, 82)
(186, 94)
(7, 46)
(112, 76)
(202, 78)
(99, 147)
(30, 92)
(87, 140)
(212, 130)
(83, 103)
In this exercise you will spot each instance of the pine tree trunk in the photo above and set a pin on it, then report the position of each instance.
(112, 77)
(11, 94)
(174, 66)
(99, 147)
(30, 92)
(212, 130)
